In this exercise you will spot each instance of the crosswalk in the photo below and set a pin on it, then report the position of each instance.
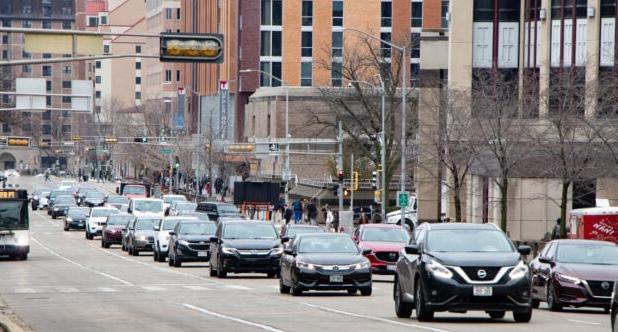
(101, 289)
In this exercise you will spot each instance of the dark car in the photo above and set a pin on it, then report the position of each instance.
(94, 199)
(61, 205)
(112, 231)
(141, 235)
(162, 235)
(37, 195)
(53, 195)
(119, 202)
(179, 207)
(577, 273)
(615, 308)
(81, 193)
(289, 231)
(76, 218)
(217, 209)
(190, 242)
(324, 261)
(459, 268)
(244, 247)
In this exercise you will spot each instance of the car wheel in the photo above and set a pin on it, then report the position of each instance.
(366, 291)
(522, 316)
(283, 289)
(155, 257)
(272, 274)
(86, 234)
(102, 244)
(352, 291)
(535, 304)
(134, 252)
(422, 314)
(162, 257)
(221, 273)
(496, 314)
(402, 309)
(53, 216)
(170, 261)
(22, 257)
(296, 291)
(552, 302)
(66, 228)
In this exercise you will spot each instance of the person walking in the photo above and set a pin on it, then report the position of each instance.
(555, 233)
(363, 219)
(298, 211)
(47, 176)
(312, 212)
(287, 214)
(329, 219)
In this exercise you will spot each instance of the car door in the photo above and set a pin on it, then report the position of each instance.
(545, 272)
(287, 262)
(131, 233)
(215, 247)
(408, 264)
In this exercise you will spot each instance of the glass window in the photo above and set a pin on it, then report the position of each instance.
(47, 11)
(168, 75)
(307, 43)
(66, 84)
(306, 74)
(168, 13)
(47, 115)
(48, 85)
(66, 25)
(271, 12)
(337, 74)
(201, 228)
(337, 44)
(385, 48)
(46, 129)
(106, 49)
(47, 24)
(47, 70)
(330, 245)
(147, 206)
(444, 14)
(93, 21)
(390, 234)
(48, 100)
(337, 13)
(177, 13)
(97, 94)
(66, 99)
(276, 43)
(97, 79)
(97, 64)
(103, 20)
(177, 75)
(467, 240)
(6, 23)
(587, 254)
(250, 231)
(138, 65)
(138, 95)
(276, 71)
(26, 68)
(66, 128)
(307, 13)
(145, 224)
(138, 49)
(415, 47)
(26, 24)
(264, 79)
(67, 69)
(138, 80)
(387, 13)
(417, 14)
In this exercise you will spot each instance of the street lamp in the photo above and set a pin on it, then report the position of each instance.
(286, 176)
(404, 88)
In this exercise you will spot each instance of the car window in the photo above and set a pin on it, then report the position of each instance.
(65, 200)
(587, 254)
(169, 225)
(327, 245)
(134, 190)
(147, 206)
(119, 220)
(551, 253)
(201, 228)
(545, 250)
(293, 231)
(249, 231)
(468, 240)
(227, 208)
(183, 206)
(118, 199)
(94, 194)
(103, 212)
(78, 212)
(396, 235)
(145, 224)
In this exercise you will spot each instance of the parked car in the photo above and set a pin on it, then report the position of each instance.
(94, 199)
(119, 202)
(384, 242)
(76, 218)
(141, 235)
(190, 242)
(215, 210)
(112, 230)
(97, 219)
(325, 261)
(289, 231)
(577, 273)
(244, 247)
(146, 207)
(615, 308)
(61, 205)
(460, 268)
(162, 236)
(37, 195)
(169, 199)
(11, 173)
(179, 207)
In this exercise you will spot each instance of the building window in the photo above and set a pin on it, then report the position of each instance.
(47, 24)
(415, 47)
(178, 76)
(26, 68)
(386, 13)
(26, 24)
(67, 7)
(168, 13)
(337, 13)
(93, 21)
(272, 12)
(48, 100)
(97, 64)
(66, 99)
(444, 14)
(66, 84)
(168, 76)
(385, 48)
(5, 39)
(47, 11)
(138, 49)
(97, 94)
(306, 74)
(417, 14)
(337, 74)
(307, 13)
(26, 7)
(270, 43)
(337, 44)
(106, 49)
(415, 70)
(273, 68)
(47, 114)
(6, 23)
(307, 44)
(138, 80)
(46, 55)
(138, 95)
(5, 54)
(178, 13)
(97, 79)
(48, 85)
(66, 129)
(103, 19)
(67, 69)
(138, 65)
(46, 129)
(66, 25)
(66, 114)
(47, 70)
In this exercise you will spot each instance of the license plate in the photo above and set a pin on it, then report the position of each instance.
(391, 267)
(482, 291)
(336, 278)
(202, 253)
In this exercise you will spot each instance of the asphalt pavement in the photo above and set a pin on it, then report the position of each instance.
(69, 283)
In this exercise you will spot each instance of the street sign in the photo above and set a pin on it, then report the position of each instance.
(286, 175)
(179, 47)
(403, 199)
(273, 147)
(166, 151)
(30, 94)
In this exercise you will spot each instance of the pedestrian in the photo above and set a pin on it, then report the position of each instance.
(329, 219)
(288, 214)
(363, 219)
(298, 211)
(312, 212)
(47, 176)
(556, 233)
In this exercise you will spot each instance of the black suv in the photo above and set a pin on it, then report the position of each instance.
(244, 247)
(214, 210)
(190, 242)
(461, 267)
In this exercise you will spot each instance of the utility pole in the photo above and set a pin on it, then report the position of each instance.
(340, 164)
(352, 182)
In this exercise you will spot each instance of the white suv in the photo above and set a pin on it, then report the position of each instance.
(162, 235)
(97, 219)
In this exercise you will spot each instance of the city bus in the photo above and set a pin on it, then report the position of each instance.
(14, 224)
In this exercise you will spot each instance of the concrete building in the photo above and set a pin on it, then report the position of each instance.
(534, 42)
(48, 130)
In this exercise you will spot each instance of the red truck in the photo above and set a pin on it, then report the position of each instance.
(599, 223)
(134, 190)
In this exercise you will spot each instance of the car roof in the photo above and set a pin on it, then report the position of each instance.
(104, 208)
(583, 242)
(467, 226)
(246, 221)
(302, 226)
(174, 196)
(380, 226)
(146, 199)
(323, 235)
(185, 217)
(216, 203)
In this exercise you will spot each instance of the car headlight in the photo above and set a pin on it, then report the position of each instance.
(519, 271)
(143, 237)
(569, 279)
(22, 241)
(438, 270)
(228, 250)
(184, 243)
(55, 209)
(277, 250)
(362, 266)
(69, 219)
(303, 265)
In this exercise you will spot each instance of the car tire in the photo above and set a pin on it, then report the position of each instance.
(402, 309)
(552, 303)
(522, 316)
(123, 247)
(162, 257)
(134, 252)
(221, 273)
(170, 261)
(155, 257)
(102, 244)
(66, 228)
(53, 216)
(497, 314)
(296, 291)
(283, 289)
(352, 291)
(272, 274)
(366, 291)
(535, 304)
(22, 257)
(422, 314)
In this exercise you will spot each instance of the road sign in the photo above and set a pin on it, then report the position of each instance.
(273, 147)
(166, 151)
(403, 199)
(178, 47)
(30, 94)
(286, 175)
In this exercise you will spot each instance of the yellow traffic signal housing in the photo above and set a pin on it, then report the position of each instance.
(111, 140)
(18, 141)
(76, 138)
(179, 47)
(355, 185)
(241, 148)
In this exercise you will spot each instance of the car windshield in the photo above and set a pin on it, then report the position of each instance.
(134, 190)
(327, 245)
(78, 212)
(95, 195)
(390, 234)
(227, 208)
(55, 194)
(119, 220)
(186, 206)
(40, 191)
(170, 199)
(587, 254)
(201, 228)
(103, 212)
(148, 206)
(468, 240)
(200, 216)
(293, 231)
(169, 225)
(65, 200)
(118, 200)
(84, 191)
(145, 224)
(249, 231)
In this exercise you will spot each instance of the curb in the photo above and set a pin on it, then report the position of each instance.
(8, 325)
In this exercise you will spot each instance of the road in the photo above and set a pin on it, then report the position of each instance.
(71, 284)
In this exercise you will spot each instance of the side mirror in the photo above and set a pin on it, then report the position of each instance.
(524, 250)
(214, 239)
(288, 251)
(172, 233)
(367, 251)
(285, 239)
(412, 249)
(117, 190)
(546, 260)
(157, 228)
(124, 229)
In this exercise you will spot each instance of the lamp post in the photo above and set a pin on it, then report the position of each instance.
(404, 88)
(286, 172)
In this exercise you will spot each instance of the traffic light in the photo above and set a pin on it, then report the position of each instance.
(178, 47)
(177, 163)
(18, 141)
(340, 175)
(346, 192)
(355, 185)
(111, 140)
(76, 138)
(140, 140)
(374, 180)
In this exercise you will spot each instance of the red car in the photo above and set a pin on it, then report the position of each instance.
(385, 242)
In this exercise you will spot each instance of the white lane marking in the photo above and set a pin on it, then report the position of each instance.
(153, 288)
(24, 290)
(80, 265)
(584, 322)
(196, 288)
(45, 218)
(233, 319)
(67, 289)
(373, 318)
(106, 289)
(238, 287)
